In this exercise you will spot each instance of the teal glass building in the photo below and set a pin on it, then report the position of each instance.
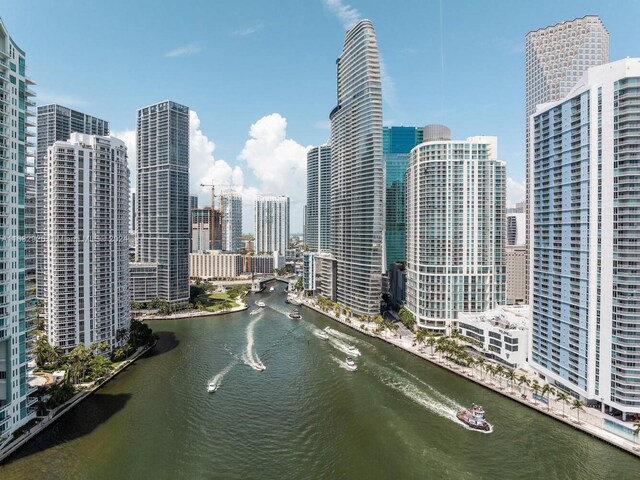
(397, 142)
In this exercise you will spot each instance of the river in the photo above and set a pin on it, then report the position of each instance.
(304, 417)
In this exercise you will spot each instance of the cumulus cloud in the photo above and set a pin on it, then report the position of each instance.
(185, 51)
(515, 192)
(278, 162)
(347, 14)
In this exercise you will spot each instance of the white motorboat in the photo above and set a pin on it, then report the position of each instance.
(323, 335)
(212, 387)
(271, 289)
(295, 315)
(351, 350)
(330, 330)
(259, 366)
(260, 303)
(350, 364)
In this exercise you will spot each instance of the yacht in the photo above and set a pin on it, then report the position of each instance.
(322, 334)
(271, 289)
(295, 315)
(212, 387)
(474, 418)
(260, 303)
(329, 330)
(351, 350)
(350, 364)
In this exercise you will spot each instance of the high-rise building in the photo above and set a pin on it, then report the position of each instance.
(555, 59)
(206, 230)
(163, 221)
(87, 241)
(357, 173)
(515, 260)
(271, 221)
(516, 224)
(455, 230)
(231, 211)
(193, 202)
(318, 209)
(16, 273)
(585, 201)
(133, 212)
(55, 123)
(397, 142)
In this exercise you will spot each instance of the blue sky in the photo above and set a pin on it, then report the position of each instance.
(260, 75)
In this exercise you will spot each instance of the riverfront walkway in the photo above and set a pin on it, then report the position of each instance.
(194, 313)
(589, 420)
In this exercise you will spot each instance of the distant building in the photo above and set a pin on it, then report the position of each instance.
(206, 230)
(516, 224)
(318, 208)
(87, 241)
(258, 264)
(326, 276)
(133, 212)
(397, 285)
(231, 211)
(585, 204)
(162, 191)
(271, 215)
(309, 272)
(215, 265)
(515, 257)
(455, 230)
(143, 281)
(500, 334)
(193, 202)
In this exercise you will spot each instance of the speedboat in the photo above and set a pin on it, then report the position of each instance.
(350, 364)
(474, 418)
(259, 366)
(330, 330)
(212, 387)
(351, 350)
(295, 315)
(323, 335)
(271, 289)
(260, 303)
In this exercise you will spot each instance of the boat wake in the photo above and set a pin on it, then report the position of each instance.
(250, 356)
(340, 335)
(341, 362)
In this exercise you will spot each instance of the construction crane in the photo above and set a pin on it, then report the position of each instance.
(213, 208)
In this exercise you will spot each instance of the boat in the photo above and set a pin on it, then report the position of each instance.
(260, 303)
(350, 364)
(287, 300)
(474, 418)
(259, 366)
(323, 335)
(295, 301)
(351, 350)
(330, 330)
(295, 315)
(212, 387)
(271, 289)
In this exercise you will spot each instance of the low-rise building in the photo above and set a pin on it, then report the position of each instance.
(500, 334)
(326, 276)
(214, 265)
(143, 281)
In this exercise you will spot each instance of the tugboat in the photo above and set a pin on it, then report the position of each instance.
(474, 418)
(295, 315)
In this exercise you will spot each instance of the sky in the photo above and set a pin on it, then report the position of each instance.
(260, 76)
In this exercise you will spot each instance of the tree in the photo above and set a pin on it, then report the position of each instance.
(523, 380)
(481, 363)
(549, 390)
(636, 431)
(512, 377)
(99, 367)
(535, 388)
(564, 398)
(45, 354)
(431, 341)
(78, 359)
(578, 406)
(421, 336)
(407, 318)
(500, 372)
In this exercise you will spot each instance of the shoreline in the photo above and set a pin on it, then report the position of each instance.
(66, 407)
(193, 314)
(484, 381)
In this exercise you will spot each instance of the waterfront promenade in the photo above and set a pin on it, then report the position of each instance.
(195, 313)
(590, 420)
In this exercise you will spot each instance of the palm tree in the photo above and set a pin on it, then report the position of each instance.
(548, 390)
(577, 405)
(564, 398)
(491, 370)
(512, 377)
(636, 432)
(535, 388)
(480, 362)
(431, 341)
(523, 380)
(421, 336)
(499, 370)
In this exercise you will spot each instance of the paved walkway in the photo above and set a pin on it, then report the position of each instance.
(591, 420)
(195, 313)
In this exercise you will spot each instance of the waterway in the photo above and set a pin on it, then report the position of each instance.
(305, 416)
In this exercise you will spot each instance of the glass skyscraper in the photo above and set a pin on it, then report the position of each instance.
(357, 173)
(397, 142)
(318, 211)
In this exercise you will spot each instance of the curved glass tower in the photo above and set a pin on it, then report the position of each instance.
(357, 174)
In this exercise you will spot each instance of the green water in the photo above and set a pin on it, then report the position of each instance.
(304, 417)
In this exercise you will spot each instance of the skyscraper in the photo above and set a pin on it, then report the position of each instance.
(555, 59)
(455, 230)
(397, 142)
(585, 321)
(163, 219)
(357, 173)
(55, 123)
(16, 292)
(231, 211)
(318, 211)
(271, 221)
(206, 230)
(87, 241)
(193, 202)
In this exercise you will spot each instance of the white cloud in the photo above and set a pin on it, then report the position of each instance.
(279, 163)
(388, 86)
(243, 32)
(184, 51)
(44, 97)
(347, 14)
(515, 192)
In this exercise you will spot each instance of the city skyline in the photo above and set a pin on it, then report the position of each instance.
(414, 88)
